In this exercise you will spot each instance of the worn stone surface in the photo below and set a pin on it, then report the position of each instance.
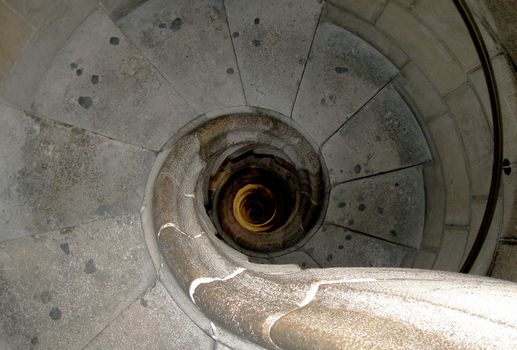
(367, 31)
(503, 13)
(297, 257)
(505, 262)
(50, 296)
(110, 89)
(153, 321)
(406, 3)
(120, 8)
(477, 81)
(383, 136)
(443, 18)
(14, 33)
(487, 253)
(422, 46)
(453, 161)
(33, 62)
(389, 206)
(369, 10)
(424, 260)
(272, 41)
(54, 176)
(342, 74)
(35, 11)
(174, 33)
(334, 246)
(434, 205)
(418, 92)
(450, 256)
(469, 116)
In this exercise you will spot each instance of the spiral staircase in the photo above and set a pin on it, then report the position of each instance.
(257, 174)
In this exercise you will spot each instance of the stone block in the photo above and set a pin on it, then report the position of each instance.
(297, 257)
(454, 166)
(486, 255)
(23, 80)
(505, 262)
(424, 260)
(197, 59)
(422, 47)
(14, 33)
(55, 176)
(333, 246)
(383, 136)
(475, 132)
(153, 321)
(443, 18)
(419, 92)
(60, 289)
(367, 31)
(343, 73)
(368, 10)
(390, 206)
(450, 256)
(272, 41)
(434, 205)
(35, 12)
(100, 82)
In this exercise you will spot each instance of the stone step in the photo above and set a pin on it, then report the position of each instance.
(272, 40)
(189, 42)
(99, 81)
(390, 206)
(383, 136)
(343, 73)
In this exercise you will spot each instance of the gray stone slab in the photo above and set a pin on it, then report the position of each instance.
(389, 206)
(424, 260)
(36, 12)
(453, 159)
(54, 176)
(342, 74)
(59, 289)
(334, 246)
(367, 31)
(38, 53)
(422, 46)
(190, 43)
(99, 81)
(382, 136)
(434, 205)
(369, 10)
(468, 113)
(272, 41)
(156, 322)
(505, 262)
(444, 19)
(297, 257)
(450, 256)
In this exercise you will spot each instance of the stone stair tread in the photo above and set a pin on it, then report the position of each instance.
(189, 42)
(383, 136)
(342, 74)
(272, 41)
(334, 246)
(99, 81)
(55, 176)
(390, 206)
